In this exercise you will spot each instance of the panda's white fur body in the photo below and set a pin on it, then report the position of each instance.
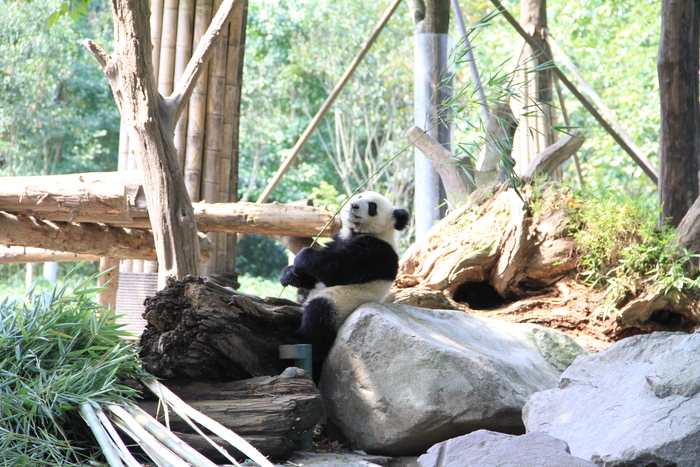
(358, 266)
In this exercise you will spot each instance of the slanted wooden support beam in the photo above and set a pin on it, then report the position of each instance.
(442, 161)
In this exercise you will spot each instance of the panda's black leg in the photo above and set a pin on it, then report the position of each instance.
(318, 329)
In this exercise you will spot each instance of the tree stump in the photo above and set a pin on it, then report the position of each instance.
(206, 332)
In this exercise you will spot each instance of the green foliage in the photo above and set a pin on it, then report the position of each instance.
(57, 351)
(263, 287)
(57, 114)
(625, 252)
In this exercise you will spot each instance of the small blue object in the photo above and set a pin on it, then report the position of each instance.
(301, 353)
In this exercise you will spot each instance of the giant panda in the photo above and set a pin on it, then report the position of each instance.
(358, 266)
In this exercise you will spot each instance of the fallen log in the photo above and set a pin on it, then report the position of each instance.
(117, 198)
(200, 330)
(271, 412)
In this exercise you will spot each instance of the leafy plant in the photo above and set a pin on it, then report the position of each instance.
(57, 351)
(626, 252)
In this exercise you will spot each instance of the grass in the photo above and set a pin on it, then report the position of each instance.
(625, 250)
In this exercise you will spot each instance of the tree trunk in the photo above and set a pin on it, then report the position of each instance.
(151, 124)
(678, 86)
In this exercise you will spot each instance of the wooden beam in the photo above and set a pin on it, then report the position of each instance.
(117, 199)
(92, 239)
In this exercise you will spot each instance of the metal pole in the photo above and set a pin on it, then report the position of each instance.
(327, 105)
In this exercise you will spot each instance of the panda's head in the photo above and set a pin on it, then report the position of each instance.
(370, 213)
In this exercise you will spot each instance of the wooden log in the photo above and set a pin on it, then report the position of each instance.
(23, 254)
(270, 412)
(548, 160)
(206, 332)
(443, 162)
(93, 239)
(87, 197)
(117, 198)
(66, 241)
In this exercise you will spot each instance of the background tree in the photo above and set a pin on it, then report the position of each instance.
(678, 63)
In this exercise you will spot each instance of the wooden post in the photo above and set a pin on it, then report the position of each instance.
(110, 281)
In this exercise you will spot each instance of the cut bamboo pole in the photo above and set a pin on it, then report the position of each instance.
(327, 104)
(185, 26)
(167, 48)
(211, 163)
(109, 280)
(197, 110)
(156, 31)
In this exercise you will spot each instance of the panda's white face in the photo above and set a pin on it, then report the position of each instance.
(370, 213)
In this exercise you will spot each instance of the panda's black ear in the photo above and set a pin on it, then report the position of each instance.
(400, 219)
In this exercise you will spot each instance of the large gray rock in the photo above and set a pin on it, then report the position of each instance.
(635, 404)
(490, 449)
(400, 379)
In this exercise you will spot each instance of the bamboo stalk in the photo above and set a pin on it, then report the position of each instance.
(197, 110)
(185, 411)
(103, 439)
(156, 31)
(125, 454)
(230, 144)
(211, 163)
(166, 66)
(327, 104)
(185, 26)
(167, 438)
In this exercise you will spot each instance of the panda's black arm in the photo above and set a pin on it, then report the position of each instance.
(359, 260)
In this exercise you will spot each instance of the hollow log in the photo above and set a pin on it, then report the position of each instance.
(117, 198)
(206, 332)
(270, 412)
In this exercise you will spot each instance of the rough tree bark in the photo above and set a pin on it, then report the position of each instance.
(199, 330)
(679, 138)
(151, 121)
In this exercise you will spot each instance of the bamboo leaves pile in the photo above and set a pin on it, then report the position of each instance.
(62, 358)
(57, 352)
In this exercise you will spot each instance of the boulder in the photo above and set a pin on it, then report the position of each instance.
(635, 404)
(490, 449)
(400, 379)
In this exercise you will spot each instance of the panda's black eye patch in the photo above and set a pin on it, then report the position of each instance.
(372, 209)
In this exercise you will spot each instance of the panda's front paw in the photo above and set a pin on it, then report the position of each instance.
(289, 276)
